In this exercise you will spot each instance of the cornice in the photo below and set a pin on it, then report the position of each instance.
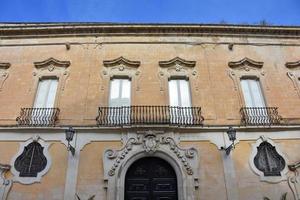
(52, 61)
(4, 65)
(176, 61)
(293, 65)
(86, 29)
(121, 61)
(245, 61)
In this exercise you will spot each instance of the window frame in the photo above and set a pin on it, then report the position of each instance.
(110, 85)
(189, 85)
(269, 179)
(31, 180)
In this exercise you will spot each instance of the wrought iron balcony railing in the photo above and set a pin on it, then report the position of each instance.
(260, 116)
(38, 116)
(149, 115)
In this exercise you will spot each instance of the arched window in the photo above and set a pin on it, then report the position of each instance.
(268, 160)
(31, 161)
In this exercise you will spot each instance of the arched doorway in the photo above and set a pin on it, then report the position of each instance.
(150, 178)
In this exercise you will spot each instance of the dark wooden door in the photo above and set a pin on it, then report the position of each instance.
(150, 178)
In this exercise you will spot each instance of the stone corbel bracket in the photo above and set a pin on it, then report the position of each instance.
(52, 68)
(3, 73)
(176, 67)
(122, 67)
(294, 74)
(184, 161)
(246, 67)
(5, 184)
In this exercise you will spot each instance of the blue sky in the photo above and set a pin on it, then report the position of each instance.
(276, 12)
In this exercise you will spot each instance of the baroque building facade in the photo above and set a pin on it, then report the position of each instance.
(149, 111)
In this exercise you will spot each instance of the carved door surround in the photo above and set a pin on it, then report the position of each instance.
(3, 73)
(263, 177)
(151, 144)
(120, 68)
(5, 184)
(177, 68)
(51, 68)
(294, 74)
(246, 68)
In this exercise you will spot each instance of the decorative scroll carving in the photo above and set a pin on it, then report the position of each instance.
(3, 73)
(51, 68)
(244, 63)
(294, 181)
(121, 61)
(150, 143)
(121, 67)
(51, 63)
(5, 184)
(177, 67)
(267, 161)
(294, 74)
(178, 62)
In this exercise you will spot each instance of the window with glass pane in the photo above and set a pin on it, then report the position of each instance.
(119, 98)
(254, 101)
(180, 101)
(46, 92)
(44, 101)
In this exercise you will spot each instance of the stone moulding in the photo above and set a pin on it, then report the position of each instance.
(245, 62)
(52, 62)
(81, 29)
(177, 61)
(3, 73)
(31, 180)
(121, 61)
(150, 144)
(293, 65)
(269, 179)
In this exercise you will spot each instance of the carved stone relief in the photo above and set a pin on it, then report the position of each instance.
(294, 74)
(5, 184)
(246, 68)
(294, 181)
(121, 67)
(257, 166)
(3, 73)
(150, 143)
(177, 67)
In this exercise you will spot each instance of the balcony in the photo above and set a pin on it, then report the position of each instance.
(38, 117)
(149, 115)
(260, 116)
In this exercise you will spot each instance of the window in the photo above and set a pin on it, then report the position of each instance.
(119, 92)
(180, 102)
(268, 161)
(252, 93)
(46, 92)
(119, 100)
(31, 161)
(179, 93)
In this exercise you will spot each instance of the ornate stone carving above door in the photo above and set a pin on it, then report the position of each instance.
(150, 144)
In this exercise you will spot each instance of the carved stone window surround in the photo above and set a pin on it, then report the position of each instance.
(3, 73)
(50, 68)
(294, 74)
(31, 180)
(270, 179)
(247, 68)
(151, 144)
(120, 68)
(178, 68)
